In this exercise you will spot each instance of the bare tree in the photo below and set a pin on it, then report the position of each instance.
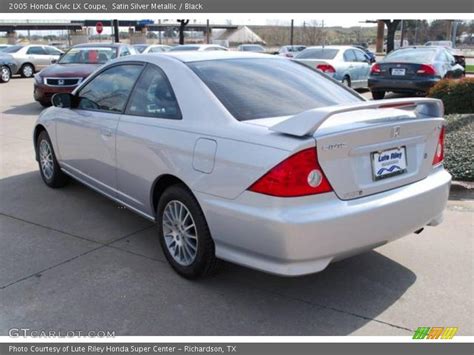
(392, 26)
(182, 26)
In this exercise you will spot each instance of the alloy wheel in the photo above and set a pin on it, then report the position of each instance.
(5, 74)
(180, 233)
(27, 71)
(46, 159)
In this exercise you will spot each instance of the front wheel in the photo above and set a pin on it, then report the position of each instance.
(184, 235)
(5, 74)
(48, 165)
(378, 95)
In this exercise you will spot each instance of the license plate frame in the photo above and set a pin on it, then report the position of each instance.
(399, 71)
(386, 163)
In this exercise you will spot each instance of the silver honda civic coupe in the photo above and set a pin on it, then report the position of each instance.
(248, 158)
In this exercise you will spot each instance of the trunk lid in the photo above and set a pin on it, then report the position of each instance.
(400, 71)
(352, 143)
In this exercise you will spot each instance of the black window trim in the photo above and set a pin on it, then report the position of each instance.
(85, 83)
(179, 115)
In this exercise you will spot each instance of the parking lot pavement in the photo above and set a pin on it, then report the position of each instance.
(72, 260)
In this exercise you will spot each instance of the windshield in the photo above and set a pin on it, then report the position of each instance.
(94, 55)
(279, 87)
(12, 49)
(413, 55)
(318, 53)
(253, 49)
(184, 48)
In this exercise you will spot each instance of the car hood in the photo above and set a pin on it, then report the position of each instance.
(69, 70)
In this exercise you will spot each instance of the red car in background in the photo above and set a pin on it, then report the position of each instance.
(73, 67)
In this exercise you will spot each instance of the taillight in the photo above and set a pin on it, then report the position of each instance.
(439, 154)
(426, 69)
(326, 68)
(375, 69)
(298, 175)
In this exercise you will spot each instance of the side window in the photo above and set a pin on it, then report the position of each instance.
(52, 51)
(36, 50)
(124, 52)
(349, 56)
(210, 49)
(155, 50)
(360, 56)
(153, 96)
(109, 90)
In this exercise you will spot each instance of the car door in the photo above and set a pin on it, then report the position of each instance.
(38, 56)
(151, 112)
(54, 54)
(363, 65)
(86, 133)
(352, 66)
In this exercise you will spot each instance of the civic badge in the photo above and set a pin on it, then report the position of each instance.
(396, 132)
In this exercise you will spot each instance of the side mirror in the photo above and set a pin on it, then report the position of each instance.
(62, 100)
(54, 61)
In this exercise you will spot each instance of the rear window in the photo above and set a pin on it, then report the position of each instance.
(12, 49)
(260, 88)
(414, 55)
(318, 53)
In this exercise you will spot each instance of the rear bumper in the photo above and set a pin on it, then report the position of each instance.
(303, 235)
(406, 85)
(44, 93)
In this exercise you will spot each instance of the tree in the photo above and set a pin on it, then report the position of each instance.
(182, 26)
(392, 26)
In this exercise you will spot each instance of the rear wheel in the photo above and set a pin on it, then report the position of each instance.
(184, 235)
(378, 95)
(27, 71)
(5, 74)
(346, 81)
(48, 165)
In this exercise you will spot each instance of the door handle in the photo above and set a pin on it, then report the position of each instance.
(106, 132)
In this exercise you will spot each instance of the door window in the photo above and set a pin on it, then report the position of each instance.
(109, 90)
(53, 51)
(153, 96)
(36, 51)
(360, 56)
(349, 56)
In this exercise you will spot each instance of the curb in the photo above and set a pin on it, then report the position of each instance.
(462, 185)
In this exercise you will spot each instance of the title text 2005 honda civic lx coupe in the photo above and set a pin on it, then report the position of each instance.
(253, 159)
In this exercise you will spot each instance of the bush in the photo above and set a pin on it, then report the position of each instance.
(457, 95)
(459, 146)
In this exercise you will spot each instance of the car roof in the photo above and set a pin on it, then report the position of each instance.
(195, 56)
(330, 47)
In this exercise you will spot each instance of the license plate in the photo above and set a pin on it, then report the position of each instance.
(399, 72)
(388, 163)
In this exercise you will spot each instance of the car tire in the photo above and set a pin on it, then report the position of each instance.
(27, 71)
(50, 171)
(378, 95)
(184, 234)
(5, 74)
(45, 103)
(346, 81)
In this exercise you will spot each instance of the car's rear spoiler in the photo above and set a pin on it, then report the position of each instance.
(307, 122)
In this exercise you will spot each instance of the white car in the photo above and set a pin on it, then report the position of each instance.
(32, 58)
(198, 48)
(152, 48)
(250, 158)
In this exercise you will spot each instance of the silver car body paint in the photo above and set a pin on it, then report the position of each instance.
(218, 158)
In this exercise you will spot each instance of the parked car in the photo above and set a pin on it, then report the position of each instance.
(256, 48)
(32, 58)
(73, 67)
(153, 48)
(290, 51)
(198, 47)
(370, 55)
(260, 175)
(7, 67)
(412, 70)
(346, 64)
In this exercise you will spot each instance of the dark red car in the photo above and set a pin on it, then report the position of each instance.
(73, 67)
